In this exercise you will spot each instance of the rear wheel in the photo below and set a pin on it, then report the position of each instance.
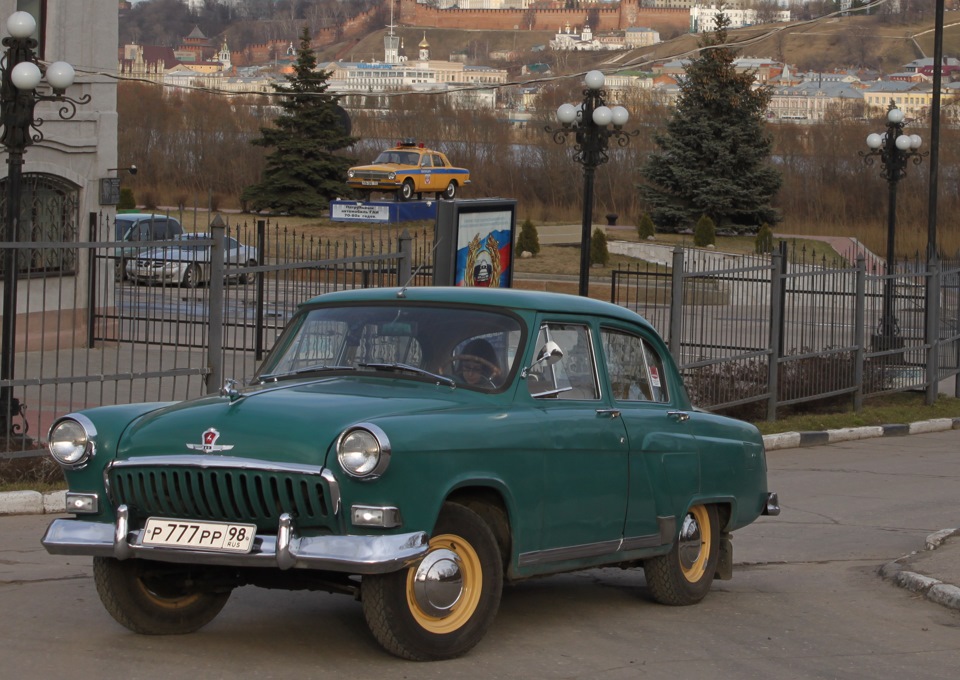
(407, 190)
(450, 192)
(191, 277)
(441, 607)
(152, 598)
(684, 575)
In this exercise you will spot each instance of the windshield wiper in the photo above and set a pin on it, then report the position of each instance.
(318, 368)
(412, 369)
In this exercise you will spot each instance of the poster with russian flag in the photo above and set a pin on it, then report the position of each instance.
(484, 249)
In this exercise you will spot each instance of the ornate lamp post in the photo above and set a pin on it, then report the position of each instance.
(593, 123)
(895, 149)
(21, 75)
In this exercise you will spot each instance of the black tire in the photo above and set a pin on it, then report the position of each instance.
(120, 271)
(449, 193)
(684, 575)
(153, 598)
(407, 190)
(399, 619)
(191, 277)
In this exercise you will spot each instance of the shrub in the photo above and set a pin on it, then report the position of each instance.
(763, 241)
(645, 227)
(149, 199)
(598, 248)
(528, 241)
(705, 233)
(127, 201)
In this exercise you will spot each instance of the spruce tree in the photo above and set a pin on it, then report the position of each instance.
(713, 158)
(302, 171)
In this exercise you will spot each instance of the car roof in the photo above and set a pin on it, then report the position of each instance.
(508, 298)
(137, 217)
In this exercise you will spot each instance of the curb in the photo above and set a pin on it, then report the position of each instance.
(32, 503)
(793, 440)
(932, 589)
(35, 503)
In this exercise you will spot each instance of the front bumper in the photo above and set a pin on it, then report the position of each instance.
(286, 550)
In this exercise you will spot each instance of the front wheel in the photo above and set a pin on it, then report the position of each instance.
(441, 607)
(249, 277)
(684, 575)
(153, 598)
(407, 190)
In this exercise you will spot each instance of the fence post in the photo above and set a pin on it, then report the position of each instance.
(676, 305)
(215, 298)
(859, 330)
(405, 262)
(91, 279)
(776, 331)
(258, 329)
(933, 328)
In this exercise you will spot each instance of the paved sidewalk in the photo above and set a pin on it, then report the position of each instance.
(933, 572)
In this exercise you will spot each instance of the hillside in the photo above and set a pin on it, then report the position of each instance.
(839, 42)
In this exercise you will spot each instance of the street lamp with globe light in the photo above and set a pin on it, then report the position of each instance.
(21, 75)
(592, 123)
(895, 149)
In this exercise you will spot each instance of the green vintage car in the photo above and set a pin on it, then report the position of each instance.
(414, 448)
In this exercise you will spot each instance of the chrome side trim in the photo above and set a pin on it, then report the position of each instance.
(573, 552)
(638, 542)
(334, 487)
(349, 554)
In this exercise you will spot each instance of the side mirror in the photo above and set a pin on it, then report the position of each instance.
(549, 354)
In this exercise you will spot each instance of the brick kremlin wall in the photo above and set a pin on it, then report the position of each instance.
(625, 15)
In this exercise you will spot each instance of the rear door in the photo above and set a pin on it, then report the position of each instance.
(663, 462)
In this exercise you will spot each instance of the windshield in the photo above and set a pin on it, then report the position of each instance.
(469, 347)
(399, 157)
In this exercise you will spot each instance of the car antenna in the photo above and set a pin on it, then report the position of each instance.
(403, 290)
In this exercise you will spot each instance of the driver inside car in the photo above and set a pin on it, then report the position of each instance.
(477, 365)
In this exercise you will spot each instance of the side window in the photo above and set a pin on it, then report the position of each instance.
(634, 367)
(572, 377)
(426, 161)
(159, 230)
(438, 162)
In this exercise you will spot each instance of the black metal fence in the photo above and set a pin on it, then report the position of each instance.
(749, 332)
(770, 331)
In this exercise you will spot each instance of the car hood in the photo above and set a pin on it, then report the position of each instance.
(291, 423)
(384, 167)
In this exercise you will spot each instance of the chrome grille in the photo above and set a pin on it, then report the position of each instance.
(227, 495)
(370, 174)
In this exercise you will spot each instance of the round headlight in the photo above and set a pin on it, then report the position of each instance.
(392, 175)
(350, 173)
(363, 451)
(71, 441)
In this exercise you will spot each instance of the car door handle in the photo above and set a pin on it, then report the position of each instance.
(679, 416)
(612, 412)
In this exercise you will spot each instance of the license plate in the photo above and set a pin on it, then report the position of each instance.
(369, 183)
(216, 536)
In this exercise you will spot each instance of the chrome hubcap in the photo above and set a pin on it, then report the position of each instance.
(438, 583)
(690, 542)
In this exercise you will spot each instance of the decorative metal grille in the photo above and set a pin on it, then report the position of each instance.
(49, 213)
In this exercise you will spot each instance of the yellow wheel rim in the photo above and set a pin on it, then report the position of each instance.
(471, 573)
(161, 602)
(694, 570)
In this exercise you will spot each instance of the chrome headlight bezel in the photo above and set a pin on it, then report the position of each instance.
(392, 175)
(363, 451)
(72, 450)
(351, 173)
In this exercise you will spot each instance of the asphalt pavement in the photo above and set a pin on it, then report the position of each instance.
(933, 573)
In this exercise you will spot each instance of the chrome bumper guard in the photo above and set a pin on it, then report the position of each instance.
(772, 506)
(286, 550)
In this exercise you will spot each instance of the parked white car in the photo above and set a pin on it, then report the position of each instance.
(187, 263)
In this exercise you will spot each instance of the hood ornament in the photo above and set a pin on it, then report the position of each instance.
(209, 443)
(230, 390)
